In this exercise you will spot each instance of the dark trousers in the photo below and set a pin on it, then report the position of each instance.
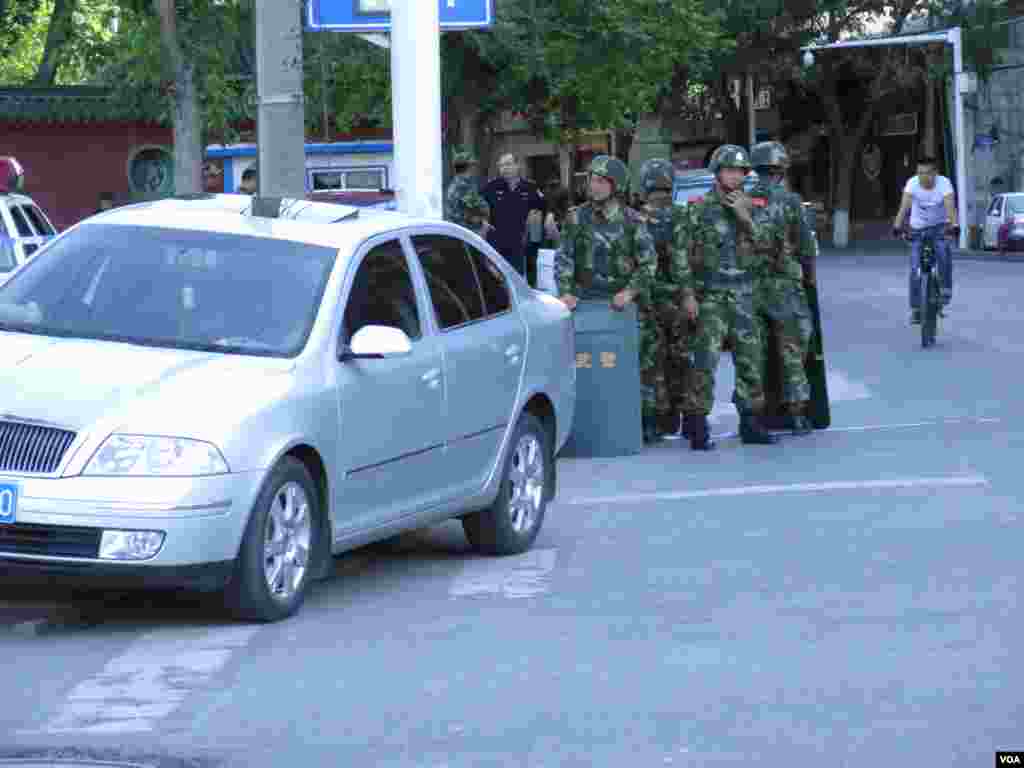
(523, 258)
(943, 258)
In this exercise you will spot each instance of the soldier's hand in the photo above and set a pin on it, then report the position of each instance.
(569, 300)
(621, 299)
(691, 308)
(740, 204)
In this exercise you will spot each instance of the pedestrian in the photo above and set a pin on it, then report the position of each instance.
(673, 307)
(462, 184)
(606, 254)
(513, 200)
(929, 199)
(719, 238)
(780, 302)
(557, 198)
(249, 182)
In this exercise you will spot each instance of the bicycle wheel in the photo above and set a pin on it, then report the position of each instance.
(930, 297)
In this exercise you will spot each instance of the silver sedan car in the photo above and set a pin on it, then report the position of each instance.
(196, 393)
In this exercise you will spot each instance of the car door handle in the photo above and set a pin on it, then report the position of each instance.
(512, 353)
(432, 378)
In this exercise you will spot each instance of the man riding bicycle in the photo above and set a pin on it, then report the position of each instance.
(929, 198)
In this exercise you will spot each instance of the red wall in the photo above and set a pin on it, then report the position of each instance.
(68, 166)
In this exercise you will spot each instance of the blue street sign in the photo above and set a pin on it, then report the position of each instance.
(374, 15)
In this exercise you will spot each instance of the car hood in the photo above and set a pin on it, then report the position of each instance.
(76, 382)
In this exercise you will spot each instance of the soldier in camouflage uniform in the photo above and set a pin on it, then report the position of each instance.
(780, 303)
(721, 233)
(606, 253)
(674, 307)
(477, 214)
(461, 185)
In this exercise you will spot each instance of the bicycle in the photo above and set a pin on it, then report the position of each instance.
(931, 293)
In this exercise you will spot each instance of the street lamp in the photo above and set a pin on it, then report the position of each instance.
(951, 37)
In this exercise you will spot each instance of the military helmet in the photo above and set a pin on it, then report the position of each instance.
(611, 168)
(769, 154)
(462, 156)
(729, 156)
(473, 201)
(656, 173)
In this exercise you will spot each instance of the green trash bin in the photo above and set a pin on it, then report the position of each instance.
(607, 419)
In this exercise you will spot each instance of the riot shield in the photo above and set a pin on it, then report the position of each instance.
(818, 410)
(775, 415)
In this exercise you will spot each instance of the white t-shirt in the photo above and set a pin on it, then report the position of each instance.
(928, 209)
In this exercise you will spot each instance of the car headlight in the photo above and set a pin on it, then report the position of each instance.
(144, 455)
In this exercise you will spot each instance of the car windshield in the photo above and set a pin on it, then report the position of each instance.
(688, 190)
(690, 193)
(1015, 204)
(171, 288)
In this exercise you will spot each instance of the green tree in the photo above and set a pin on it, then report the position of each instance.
(572, 65)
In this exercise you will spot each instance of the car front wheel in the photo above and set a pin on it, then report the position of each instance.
(510, 525)
(273, 568)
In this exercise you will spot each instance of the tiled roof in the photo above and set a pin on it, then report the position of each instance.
(77, 104)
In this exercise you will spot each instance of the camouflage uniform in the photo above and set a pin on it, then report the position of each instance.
(476, 213)
(721, 252)
(462, 185)
(779, 299)
(665, 223)
(606, 248)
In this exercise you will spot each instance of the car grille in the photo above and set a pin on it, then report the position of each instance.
(32, 448)
(53, 540)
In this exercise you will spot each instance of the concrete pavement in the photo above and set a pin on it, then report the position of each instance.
(850, 597)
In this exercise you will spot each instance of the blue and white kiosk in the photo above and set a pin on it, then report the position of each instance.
(343, 166)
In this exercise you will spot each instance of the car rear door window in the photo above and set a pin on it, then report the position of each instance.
(492, 282)
(454, 288)
(37, 219)
(21, 223)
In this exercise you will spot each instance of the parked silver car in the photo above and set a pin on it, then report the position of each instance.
(196, 395)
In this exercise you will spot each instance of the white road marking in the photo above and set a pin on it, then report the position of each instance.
(883, 427)
(761, 490)
(842, 388)
(513, 577)
(911, 425)
(147, 682)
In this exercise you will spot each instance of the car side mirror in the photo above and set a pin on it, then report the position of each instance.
(376, 342)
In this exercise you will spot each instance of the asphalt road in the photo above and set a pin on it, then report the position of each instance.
(847, 598)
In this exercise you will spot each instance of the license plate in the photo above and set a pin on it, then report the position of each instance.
(8, 502)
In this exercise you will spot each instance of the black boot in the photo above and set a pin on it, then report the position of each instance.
(687, 426)
(700, 437)
(801, 425)
(752, 432)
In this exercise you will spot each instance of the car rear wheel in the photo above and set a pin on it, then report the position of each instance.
(273, 568)
(511, 524)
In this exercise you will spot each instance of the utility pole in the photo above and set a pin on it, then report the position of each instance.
(416, 106)
(280, 114)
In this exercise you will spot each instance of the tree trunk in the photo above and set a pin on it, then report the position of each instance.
(845, 163)
(188, 145)
(58, 34)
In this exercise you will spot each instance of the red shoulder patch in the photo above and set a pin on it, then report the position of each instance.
(759, 202)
